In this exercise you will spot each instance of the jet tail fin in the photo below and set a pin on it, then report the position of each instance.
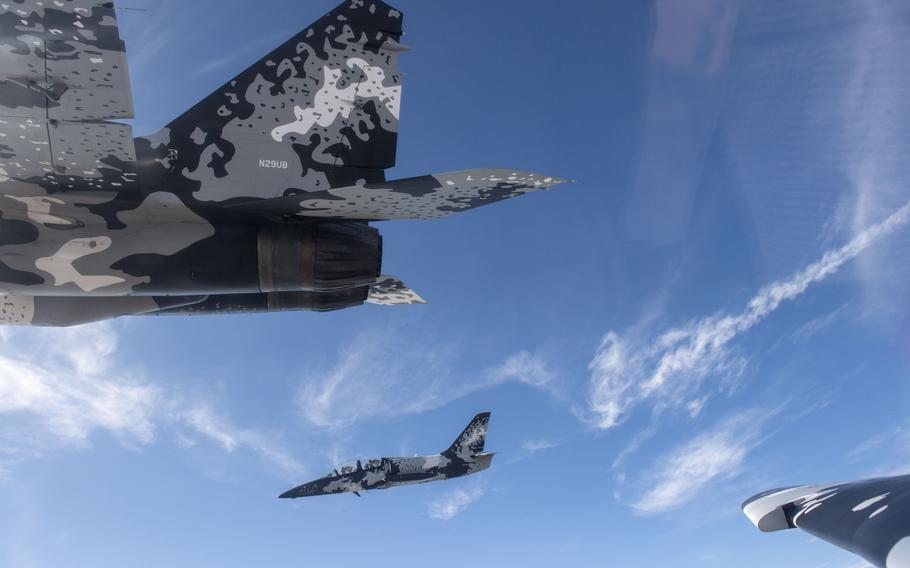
(319, 111)
(472, 440)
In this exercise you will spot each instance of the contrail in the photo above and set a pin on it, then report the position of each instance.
(624, 375)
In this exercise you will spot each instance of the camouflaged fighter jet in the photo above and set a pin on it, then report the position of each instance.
(257, 199)
(464, 457)
(870, 518)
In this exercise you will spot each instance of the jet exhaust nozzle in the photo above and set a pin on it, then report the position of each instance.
(322, 257)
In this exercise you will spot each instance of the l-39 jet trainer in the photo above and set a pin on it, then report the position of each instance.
(257, 199)
(870, 518)
(464, 457)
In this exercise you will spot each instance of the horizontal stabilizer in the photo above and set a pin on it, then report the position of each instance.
(424, 197)
(390, 291)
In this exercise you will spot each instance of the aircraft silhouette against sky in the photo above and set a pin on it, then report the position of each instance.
(465, 456)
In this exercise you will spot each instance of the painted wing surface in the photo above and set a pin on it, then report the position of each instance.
(424, 197)
(870, 518)
(63, 73)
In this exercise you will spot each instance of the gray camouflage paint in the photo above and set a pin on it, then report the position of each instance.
(464, 457)
(870, 518)
(302, 138)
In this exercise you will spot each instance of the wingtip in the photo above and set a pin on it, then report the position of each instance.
(511, 174)
(417, 298)
(547, 182)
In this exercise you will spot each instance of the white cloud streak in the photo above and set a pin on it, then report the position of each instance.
(206, 422)
(534, 446)
(377, 375)
(667, 371)
(383, 375)
(688, 470)
(58, 387)
(454, 502)
(525, 368)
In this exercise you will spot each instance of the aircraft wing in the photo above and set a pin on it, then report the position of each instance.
(424, 197)
(63, 74)
(870, 518)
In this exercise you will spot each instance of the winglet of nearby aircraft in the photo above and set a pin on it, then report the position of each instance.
(465, 456)
(870, 518)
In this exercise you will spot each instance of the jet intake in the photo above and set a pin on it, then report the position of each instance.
(322, 257)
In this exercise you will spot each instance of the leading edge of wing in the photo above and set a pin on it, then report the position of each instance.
(766, 510)
(423, 197)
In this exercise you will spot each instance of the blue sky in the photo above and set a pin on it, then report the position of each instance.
(717, 307)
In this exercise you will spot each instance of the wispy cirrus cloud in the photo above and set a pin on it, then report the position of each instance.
(57, 384)
(450, 504)
(534, 446)
(526, 368)
(886, 452)
(685, 472)
(59, 387)
(877, 166)
(383, 374)
(668, 371)
(202, 419)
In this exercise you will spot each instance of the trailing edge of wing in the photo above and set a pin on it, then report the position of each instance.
(424, 197)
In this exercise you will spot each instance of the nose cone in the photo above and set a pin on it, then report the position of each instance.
(306, 490)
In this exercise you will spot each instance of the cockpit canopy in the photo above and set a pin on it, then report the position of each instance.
(351, 467)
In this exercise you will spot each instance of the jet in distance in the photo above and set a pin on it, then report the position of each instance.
(465, 456)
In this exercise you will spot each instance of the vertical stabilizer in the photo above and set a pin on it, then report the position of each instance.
(471, 442)
(320, 111)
